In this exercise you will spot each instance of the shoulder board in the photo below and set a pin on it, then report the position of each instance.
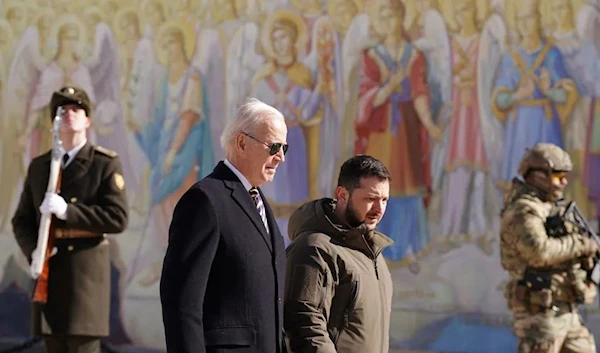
(106, 151)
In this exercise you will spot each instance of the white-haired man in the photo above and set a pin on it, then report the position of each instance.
(223, 274)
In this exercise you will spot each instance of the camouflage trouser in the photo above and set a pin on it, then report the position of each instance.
(553, 332)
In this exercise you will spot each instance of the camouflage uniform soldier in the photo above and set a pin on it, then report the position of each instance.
(547, 273)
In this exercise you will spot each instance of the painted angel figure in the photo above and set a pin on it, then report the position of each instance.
(469, 204)
(430, 35)
(176, 140)
(395, 124)
(285, 82)
(35, 79)
(139, 73)
(325, 64)
(533, 95)
(493, 44)
(356, 40)
(582, 60)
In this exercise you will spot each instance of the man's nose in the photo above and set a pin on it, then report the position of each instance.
(281, 155)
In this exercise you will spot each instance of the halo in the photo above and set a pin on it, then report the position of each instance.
(449, 10)
(546, 9)
(67, 19)
(94, 11)
(513, 7)
(41, 12)
(189, 40)
(333, 4)
(286, 15)
(121, 13)
(157, 3)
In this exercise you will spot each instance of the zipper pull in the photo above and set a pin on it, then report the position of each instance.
(376, 272)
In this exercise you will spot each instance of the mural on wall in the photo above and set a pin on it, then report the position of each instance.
(447, 94)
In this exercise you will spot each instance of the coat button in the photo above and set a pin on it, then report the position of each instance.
(73, 199)
(279, 300)
(70, 248)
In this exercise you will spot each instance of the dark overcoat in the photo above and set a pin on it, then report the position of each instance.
(79, 273)
(223, 275)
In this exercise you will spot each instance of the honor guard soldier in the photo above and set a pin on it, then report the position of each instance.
(90, 204)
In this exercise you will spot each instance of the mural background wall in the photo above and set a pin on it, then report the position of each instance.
(452, 147)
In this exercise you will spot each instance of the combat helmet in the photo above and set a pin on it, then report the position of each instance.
(545, 157)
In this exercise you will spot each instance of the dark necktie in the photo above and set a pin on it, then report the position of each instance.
(65, 159)
(259, 206)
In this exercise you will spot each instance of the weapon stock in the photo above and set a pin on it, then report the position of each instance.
(46, 230)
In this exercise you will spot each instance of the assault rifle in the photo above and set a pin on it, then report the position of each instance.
(574, 216)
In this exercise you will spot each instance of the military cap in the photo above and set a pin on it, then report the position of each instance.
(70, 95)
(547, 157)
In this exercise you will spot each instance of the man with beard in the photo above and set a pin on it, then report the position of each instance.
(338, 288)
(548, 277)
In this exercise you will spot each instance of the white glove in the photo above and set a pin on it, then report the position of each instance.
(53, 203)
(36, 259)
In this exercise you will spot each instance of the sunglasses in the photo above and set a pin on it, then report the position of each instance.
(558, 175)
(273, 148)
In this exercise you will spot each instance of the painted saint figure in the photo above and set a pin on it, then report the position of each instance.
(394, 125)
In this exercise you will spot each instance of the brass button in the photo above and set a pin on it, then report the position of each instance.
(73, 199)
(70, 248)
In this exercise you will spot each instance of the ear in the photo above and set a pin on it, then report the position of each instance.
(88, 123)
(341, 194)
(240, 142)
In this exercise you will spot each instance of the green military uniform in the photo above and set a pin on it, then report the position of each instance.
(547, 278)
(78, 305)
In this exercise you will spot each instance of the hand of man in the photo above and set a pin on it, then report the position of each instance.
(53, 203)
(591, 246)
(36, 258)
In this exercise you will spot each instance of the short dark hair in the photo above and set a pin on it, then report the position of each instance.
(359, 167)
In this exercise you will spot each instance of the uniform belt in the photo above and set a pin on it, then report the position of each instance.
(67, 233)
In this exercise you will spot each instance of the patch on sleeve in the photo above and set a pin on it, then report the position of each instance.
(119, 181)
(306, 282)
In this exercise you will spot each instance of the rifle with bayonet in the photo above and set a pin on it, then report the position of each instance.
(46, 230)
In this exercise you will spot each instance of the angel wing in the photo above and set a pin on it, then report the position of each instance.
(209, 58)
(23, 77)
(588, 22)
(327, 52)
(24, 72)
(355, 41)
(103, 67)
(242, 63)
(492, 45)
(145, 71)
(435, 45)
(588, 27)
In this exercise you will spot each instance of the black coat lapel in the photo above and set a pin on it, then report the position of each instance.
(243, 199)
(78, 167)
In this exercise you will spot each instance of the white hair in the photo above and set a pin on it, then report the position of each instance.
(248, 118)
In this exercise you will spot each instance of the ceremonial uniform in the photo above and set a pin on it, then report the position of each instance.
(78, 306)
